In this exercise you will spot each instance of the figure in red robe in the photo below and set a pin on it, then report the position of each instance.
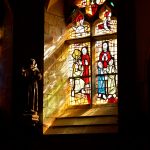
(105, 55)
(106, 21)
(85, 63)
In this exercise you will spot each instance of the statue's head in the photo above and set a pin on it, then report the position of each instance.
(32, 63)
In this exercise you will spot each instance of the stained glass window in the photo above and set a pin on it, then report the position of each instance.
(84, 70)
(101, 53)
(80, 73)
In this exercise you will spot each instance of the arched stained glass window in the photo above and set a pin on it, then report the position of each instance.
(81, 67)
(98, 65)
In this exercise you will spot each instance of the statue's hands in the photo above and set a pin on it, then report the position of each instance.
(23, 71)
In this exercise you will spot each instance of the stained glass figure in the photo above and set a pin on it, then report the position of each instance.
(79, 28)
(77, 72)
(80, 71)
(112, 88)
(106, 80)
(84, 3)
(107, 24)
(106, 21)
(85, 63)
(91, 9)
(101, 81)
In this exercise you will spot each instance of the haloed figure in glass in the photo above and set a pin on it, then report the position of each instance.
(107, 84)
(78, 83)
(103, 63)
(32, 75)
(101, 81)
(112, 85)
(106, 17)
(85, 63)
(79, 20)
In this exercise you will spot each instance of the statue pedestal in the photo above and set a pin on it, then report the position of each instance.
(31, 118)
(31, 124)
(35, 117)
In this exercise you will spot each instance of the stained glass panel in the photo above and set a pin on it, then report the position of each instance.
(106, 71)
(80, 30)
(107, 24)
(80, 73)
(91, 9)
(84, 3)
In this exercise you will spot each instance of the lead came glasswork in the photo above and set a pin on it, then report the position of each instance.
(84, 3)
(106, 24)
(79, 27)
(106, 76)
(80, 73)
(104, 56)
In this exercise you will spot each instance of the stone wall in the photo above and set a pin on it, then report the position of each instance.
(54, 28)
(6, 40)
(6, 33)
(54, 24)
